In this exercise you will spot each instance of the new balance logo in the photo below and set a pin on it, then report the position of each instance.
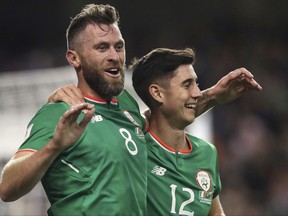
(96, 118)
(160, 171)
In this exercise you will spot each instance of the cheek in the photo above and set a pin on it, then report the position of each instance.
(122, 57)
(180, 96)
(90, 59)
(173, 103)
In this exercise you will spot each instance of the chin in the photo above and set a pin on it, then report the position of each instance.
(191, 120)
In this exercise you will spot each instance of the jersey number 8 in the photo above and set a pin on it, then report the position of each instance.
(129, 142)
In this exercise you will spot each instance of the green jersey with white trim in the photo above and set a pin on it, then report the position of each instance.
(181, 182)
(105, 171)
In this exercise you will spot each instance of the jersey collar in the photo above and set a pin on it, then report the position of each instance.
(94, 100)
(163, 145)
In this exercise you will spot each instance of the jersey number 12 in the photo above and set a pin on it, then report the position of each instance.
(181, 209)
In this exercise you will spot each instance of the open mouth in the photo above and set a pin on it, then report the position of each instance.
(113, 72)
(190, 106)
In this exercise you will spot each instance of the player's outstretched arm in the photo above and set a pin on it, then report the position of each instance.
(228, 88)
(70, 94)
(26, 168)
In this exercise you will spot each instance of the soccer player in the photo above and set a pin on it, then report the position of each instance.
(99, 171)
(183, 176)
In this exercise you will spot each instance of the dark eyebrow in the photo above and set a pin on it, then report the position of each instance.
(100, 43)
(122, 42)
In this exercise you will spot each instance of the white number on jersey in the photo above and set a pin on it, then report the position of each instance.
(174, 201)
(129, 141)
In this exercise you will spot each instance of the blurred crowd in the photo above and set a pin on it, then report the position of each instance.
(250, 133)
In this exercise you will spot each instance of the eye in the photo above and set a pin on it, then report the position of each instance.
(119, 47)
(190, 83)
(187, 84)
(102, 47)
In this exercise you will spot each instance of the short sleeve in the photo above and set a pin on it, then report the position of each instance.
(41, 128)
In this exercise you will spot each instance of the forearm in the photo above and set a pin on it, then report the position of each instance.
(205, 102)
(216, 208)
(22, 173)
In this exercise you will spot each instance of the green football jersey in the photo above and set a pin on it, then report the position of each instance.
(181, 183)
(105, 171)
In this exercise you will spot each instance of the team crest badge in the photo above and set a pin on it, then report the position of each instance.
(129, 116)
(203, 180)
(138, 129)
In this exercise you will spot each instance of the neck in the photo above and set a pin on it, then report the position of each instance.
(168, 133)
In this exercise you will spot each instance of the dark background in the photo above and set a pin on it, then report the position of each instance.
(250, 133)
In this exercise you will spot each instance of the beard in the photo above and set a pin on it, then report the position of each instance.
(105, 87)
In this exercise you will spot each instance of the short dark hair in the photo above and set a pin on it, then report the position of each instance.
(90, 14)
(157, 66)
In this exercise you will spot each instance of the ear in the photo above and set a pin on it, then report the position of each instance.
(156, 92)
(73, 58)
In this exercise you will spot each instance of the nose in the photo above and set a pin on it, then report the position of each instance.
(196, 92)
(113, 55)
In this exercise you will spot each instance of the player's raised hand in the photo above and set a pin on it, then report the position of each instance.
(68, 130)
(234, 85)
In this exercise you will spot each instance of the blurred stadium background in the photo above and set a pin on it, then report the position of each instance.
(249, 133)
